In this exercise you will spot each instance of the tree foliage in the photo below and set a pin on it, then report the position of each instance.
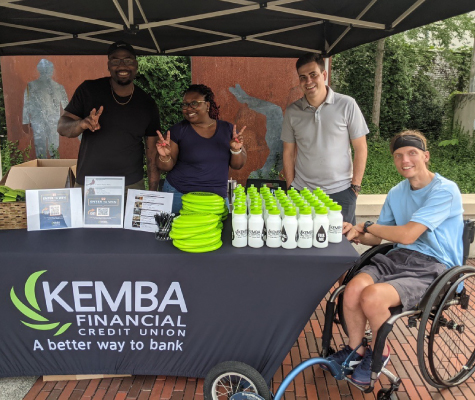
(442, 34)
(3, 124)
(165, 78)
(416, 83)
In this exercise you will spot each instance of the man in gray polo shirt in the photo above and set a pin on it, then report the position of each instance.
(317, 132)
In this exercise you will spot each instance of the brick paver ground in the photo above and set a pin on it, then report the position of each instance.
(312, 384)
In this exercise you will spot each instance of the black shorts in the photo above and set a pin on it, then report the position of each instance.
(408, 271)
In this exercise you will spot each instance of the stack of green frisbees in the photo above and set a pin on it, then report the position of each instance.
(8, 195)
(199, 226)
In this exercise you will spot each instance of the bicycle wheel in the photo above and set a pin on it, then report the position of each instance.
(446, 337)
(231, 377)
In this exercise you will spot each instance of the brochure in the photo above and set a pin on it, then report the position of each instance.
(53, 209)
(142, 205)
(104, 201)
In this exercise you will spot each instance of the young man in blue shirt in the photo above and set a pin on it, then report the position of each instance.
(423, 216)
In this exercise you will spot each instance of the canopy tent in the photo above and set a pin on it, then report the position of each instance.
(251, 28)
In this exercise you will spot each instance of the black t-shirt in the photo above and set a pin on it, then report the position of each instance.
(117, 148)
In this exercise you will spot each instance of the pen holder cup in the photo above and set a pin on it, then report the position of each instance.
(163, 234)
(164, 224)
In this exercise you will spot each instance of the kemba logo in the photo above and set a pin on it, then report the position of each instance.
(138, 297)
(41, 323)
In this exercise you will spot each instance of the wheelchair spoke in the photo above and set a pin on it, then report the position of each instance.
(452, 341)
(446, 337)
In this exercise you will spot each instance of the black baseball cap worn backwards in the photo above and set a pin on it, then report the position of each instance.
(120, 45)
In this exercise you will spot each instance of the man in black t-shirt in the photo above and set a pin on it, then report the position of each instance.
(116, 118)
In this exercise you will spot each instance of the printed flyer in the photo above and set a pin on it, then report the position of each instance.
(53, 209)
(142, 205)
(104, 201)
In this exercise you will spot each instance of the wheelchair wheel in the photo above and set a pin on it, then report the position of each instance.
(446, 337)
(231, 377)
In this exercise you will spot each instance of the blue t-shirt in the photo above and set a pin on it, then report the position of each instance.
(438, 206)
(202, 164)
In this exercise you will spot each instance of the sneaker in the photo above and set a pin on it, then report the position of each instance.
(362, 374)
(341, 356)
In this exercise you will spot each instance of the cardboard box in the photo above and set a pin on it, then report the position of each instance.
(41, 174)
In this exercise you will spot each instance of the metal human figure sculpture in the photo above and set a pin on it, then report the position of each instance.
(274, 117)
(42, 105)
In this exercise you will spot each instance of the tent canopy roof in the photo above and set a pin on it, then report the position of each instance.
(244, 28)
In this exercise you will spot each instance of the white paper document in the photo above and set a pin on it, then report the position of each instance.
(142, 205)
(104, 201)
(53, 209)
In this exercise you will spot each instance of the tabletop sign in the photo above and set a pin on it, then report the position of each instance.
(53, 209)
(104, 201)
(141, 207)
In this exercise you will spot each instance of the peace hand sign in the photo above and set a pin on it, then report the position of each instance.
(163, 145)
(238, 139)
(91, 122)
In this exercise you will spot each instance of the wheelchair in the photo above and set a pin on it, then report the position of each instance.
(445, 338)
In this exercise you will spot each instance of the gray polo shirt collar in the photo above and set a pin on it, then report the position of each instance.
(304, 104)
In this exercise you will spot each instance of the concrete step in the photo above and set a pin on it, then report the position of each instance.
(371, 204)
(368, 208)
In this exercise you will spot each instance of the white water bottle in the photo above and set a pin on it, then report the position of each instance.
(290, 229)
(274, 228)
(320, 228)
(239, 222)
(255, 230)
(335, 219)
(305, 228)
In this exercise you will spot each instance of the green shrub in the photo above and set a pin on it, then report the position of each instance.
(454, 162)
(11, 155)
(165, 79)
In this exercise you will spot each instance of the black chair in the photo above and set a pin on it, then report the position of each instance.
(446, 316)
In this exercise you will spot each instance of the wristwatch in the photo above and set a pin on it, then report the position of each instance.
(356, 188)
(366, 225)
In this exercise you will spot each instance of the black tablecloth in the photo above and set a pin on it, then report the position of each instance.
(105, 293)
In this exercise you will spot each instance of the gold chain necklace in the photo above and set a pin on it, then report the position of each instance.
(207, 126)
(130, 98)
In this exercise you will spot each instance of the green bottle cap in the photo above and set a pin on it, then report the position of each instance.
(335, 207)
(305, 210)
(315, 203)
(274, 211)
(240, 210)
(256, 210)
(290, 211)
(321, 210)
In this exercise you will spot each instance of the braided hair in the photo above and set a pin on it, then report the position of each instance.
(208, 95)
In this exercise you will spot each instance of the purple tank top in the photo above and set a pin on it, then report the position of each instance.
(203, 164)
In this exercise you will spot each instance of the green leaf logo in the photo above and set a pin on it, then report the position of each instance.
(45, 324)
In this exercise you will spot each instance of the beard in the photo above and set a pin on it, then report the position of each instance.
(124, 83)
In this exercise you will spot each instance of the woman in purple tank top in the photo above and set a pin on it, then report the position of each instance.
(198, 151)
